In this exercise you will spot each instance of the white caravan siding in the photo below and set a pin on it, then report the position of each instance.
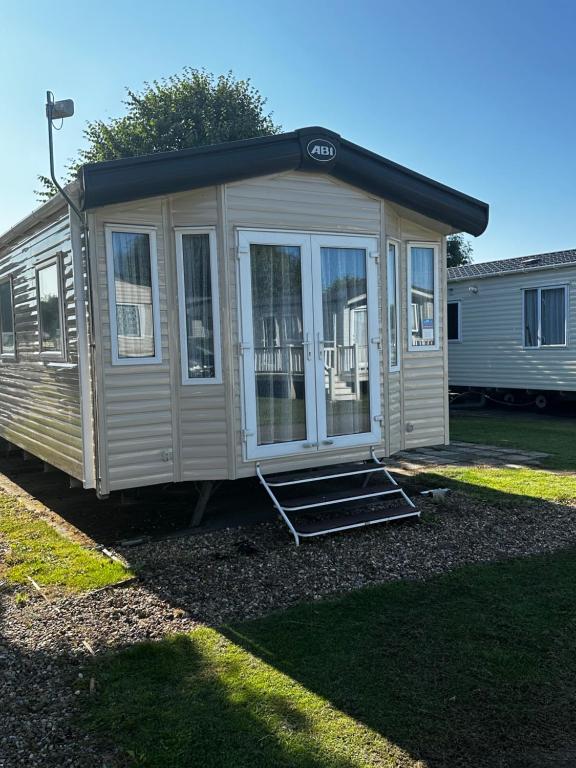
(153, 428)
(40, 398)
(135, 401)
(422, 390)
(492, 352)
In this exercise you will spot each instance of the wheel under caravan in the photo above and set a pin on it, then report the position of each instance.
(271, 307)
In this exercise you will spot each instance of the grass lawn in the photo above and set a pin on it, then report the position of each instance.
(474, 668)
(554, 435)
(37, 549)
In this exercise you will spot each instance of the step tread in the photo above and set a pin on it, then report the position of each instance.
(334, 470)
(373, 490)
(359, 517)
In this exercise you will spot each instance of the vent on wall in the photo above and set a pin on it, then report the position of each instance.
(531, 261)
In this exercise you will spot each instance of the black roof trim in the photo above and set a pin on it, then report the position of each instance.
(133, 178)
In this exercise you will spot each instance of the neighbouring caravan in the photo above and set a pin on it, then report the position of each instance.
(267, 305)
(512, 328)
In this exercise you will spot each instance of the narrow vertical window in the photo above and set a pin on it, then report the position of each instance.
(133, 287)
(7, 337)
(454, 319)
(553, 317)
(531, 318)
(50, 320)
(422, 267)
(392, 291)
(198, 296)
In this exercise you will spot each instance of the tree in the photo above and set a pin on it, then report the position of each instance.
(186, 110)
(458, 251)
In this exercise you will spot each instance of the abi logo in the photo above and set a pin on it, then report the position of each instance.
(321, 150)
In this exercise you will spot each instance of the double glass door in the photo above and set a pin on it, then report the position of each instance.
(310, 342)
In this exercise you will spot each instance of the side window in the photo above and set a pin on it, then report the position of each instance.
(133, 295)
(423, 296)
(454, 321)
(7, 335)
(545, 316)
(393, 306)
(198, 306)
(50, 309)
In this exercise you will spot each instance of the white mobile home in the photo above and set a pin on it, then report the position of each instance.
(512, 327)
(274, 304)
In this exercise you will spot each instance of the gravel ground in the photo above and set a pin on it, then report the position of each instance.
(224, 576)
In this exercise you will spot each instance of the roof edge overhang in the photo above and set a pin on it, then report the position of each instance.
(133, 178)
(512, 272)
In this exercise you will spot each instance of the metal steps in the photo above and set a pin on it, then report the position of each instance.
(337, 498)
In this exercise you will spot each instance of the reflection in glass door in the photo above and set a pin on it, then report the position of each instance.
(276, 281)
(345, 344)
(310, 342)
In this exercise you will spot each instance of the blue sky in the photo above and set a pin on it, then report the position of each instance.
(479, 95)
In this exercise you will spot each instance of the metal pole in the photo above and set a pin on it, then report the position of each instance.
(49, 113)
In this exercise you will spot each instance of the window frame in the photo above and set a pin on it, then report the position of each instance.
(179, 232)
(539, 289)
(459, 337)
(436, 256)
(49, 354)
(393, 368)
(9, 355)
(156, 359)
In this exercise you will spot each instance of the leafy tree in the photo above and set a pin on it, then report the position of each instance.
(186, 110)
(459, 251)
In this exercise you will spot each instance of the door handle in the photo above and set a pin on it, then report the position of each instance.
(320, 346)
(307, 344)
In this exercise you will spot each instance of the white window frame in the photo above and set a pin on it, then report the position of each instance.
(109, 229)
(211, 232)
(539, 289)
(49, 354)
(316, 441)
(459, 338)
(397, 250)
(9, 355)
(436, 249)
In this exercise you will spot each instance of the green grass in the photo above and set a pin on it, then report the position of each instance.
(38, 550)
(502, 486)
(474, 668)
(532, 432)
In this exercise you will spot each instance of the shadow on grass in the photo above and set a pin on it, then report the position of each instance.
(474, 668)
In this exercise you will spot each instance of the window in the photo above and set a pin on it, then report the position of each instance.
(454, 320)
(133, 295)
(7, 337)
(198, 305)
(423, 300)
(393, 314)
(50, 314)
(545, 317)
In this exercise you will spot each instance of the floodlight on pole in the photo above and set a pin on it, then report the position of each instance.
(58, 110)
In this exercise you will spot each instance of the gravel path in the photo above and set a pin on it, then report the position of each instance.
(223, 576)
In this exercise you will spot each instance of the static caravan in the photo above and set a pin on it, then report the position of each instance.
(270, 307)
(512, 328)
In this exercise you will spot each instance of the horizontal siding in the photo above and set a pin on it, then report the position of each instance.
(395, 412)
(491, 353)
(136, 400)
(424, 375)
(302, 202)
(40, 399)
(202, 422)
